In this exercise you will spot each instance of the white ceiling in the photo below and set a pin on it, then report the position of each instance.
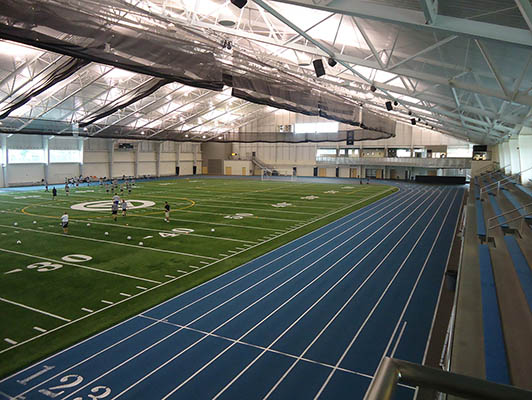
(464, 68)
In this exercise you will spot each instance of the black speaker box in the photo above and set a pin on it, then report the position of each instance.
(318, 67)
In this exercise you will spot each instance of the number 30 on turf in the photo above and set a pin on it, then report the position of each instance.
(47, 266)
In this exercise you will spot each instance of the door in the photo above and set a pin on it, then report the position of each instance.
(244, 169)
(228, 171)
(315, 171)
(204, 170)
(322, 172)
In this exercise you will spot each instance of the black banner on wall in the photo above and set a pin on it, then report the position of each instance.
(350, 138)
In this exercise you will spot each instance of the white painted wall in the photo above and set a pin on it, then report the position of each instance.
(236, 167)
(96, 159)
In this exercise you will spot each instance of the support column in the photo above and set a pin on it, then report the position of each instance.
(46, 149)
(525, 150)
(111, 151)
(177, 153)
(81, 144)
(3, 158)
(136, 168)
(158, 146)
(514, 155)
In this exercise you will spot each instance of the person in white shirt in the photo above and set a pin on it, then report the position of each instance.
(64, 222)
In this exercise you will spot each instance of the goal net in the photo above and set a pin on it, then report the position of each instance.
(278, 175)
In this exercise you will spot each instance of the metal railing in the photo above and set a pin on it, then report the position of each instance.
(392, 371)
(458, 163)
(526, 214)
(486, 168)
(497, 170)
(507, 180)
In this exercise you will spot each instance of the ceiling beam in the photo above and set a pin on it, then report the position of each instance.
(417, 20)
(526, 11)
(429, 10)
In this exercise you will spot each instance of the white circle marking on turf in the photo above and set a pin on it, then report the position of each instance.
(76, 258)
(105, 205)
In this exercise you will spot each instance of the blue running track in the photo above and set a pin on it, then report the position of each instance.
(311, 319)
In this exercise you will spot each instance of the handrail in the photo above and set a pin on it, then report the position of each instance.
(486, 167)
(497, 170)
(483, 188)
(509, 212)
(392, 371)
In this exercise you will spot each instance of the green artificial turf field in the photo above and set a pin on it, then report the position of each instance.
(57, 289)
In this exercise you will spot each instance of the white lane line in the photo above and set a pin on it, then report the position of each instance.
(107, 302)
(10, 341)
(125, 294)
(327, 380)
(188, 328)
(78, 266)
(87, 310)
(397, 226)
(13, 271)
(265, 295)
(34, 309)
(140, 287)
(170, 276)
(109, 242)
(38, 328)
(387, 202)
(346, 303)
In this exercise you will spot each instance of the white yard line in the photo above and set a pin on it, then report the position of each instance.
(87, 310)
(107, 302)
(108, 242)
(78, 265)
(39, 329)
(34, 309)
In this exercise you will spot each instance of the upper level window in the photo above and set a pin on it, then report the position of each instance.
(65, 156)
(16, 156)
(317, 127)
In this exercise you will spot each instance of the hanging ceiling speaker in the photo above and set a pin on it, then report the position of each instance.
(239, 3)
(413, 121)
(389, 105)
(318, 67)
(332, 62)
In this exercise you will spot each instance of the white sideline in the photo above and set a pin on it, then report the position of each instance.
(34, 309)
(390, 201)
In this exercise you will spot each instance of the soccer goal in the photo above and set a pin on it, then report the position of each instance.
(278, 175)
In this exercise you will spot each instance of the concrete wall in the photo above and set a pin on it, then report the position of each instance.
(238, 167)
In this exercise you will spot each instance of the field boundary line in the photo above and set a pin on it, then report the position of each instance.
(79, 266)
(35, 309)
